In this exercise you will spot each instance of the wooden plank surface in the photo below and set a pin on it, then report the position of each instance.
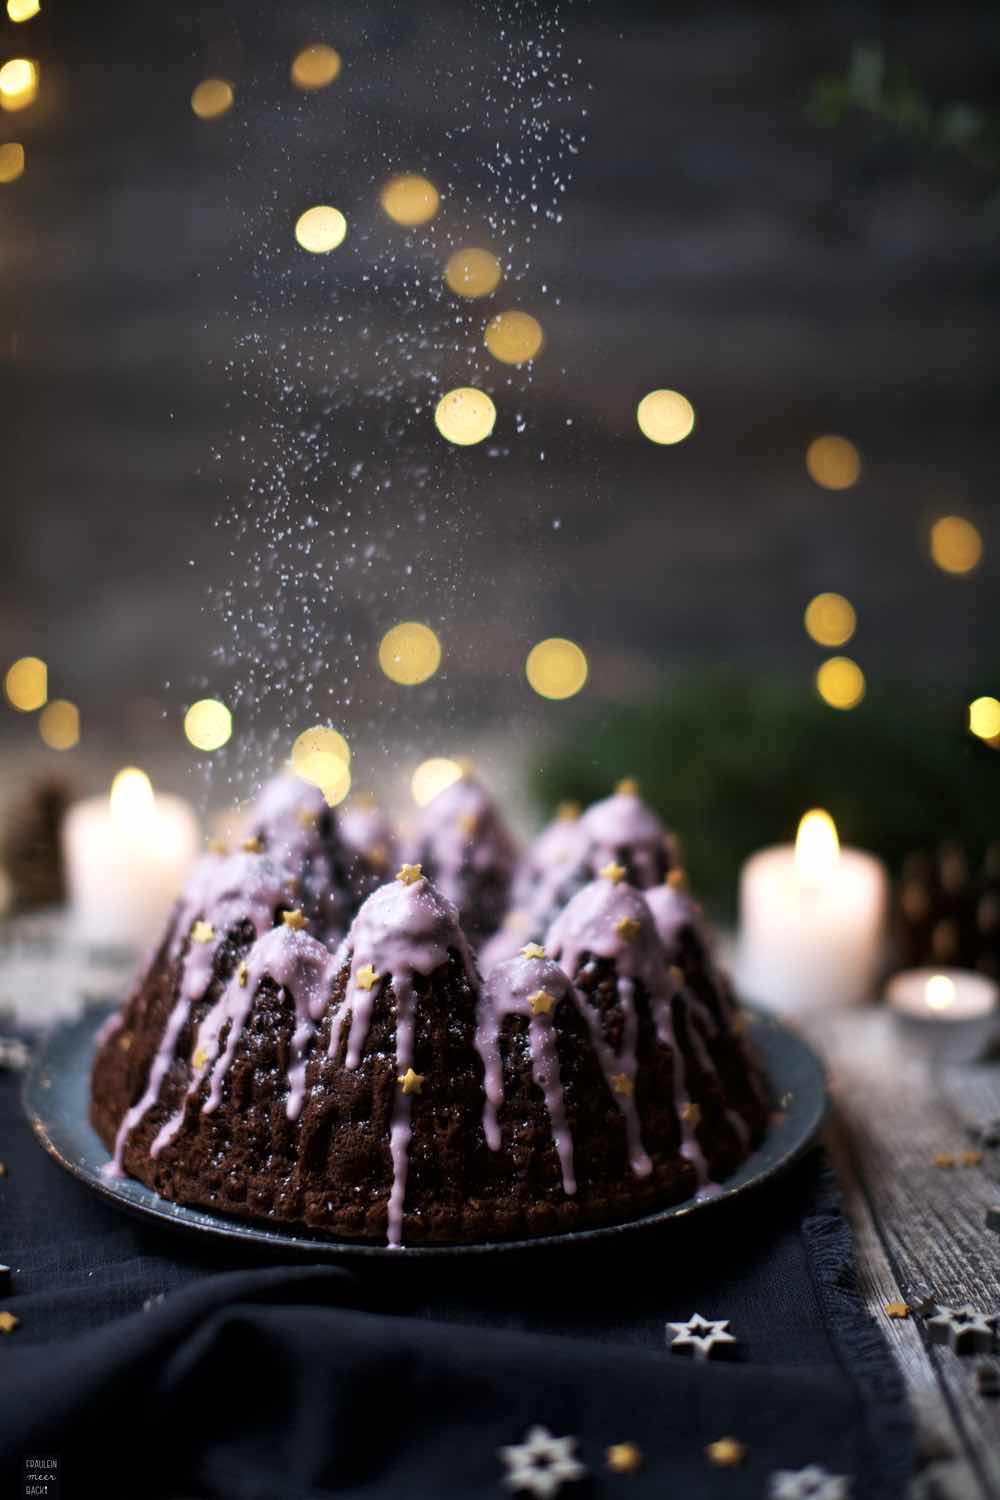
(921, 1228)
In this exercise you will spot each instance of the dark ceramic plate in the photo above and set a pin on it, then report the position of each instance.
(56, 1096)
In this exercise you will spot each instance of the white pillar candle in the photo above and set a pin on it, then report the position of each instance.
(942, 996)
(811, 921)
(126, 858)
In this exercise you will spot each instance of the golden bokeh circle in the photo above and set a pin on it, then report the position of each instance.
(833, 462)
(473, 273)
(830, 619)
(433, 776)
(556, 668)
(465, 416)
(315, 66)
(11, 161)
(984, 718)
(514, 337)
(321, 229)
(27, 684)
(211, 98)
(840, 682)
(59, 724)
(410, 199)
(208, 724)
(955, 544)
(665, 417)
(409, 653)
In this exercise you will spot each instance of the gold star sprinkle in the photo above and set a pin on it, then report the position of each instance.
(627, 787)
(468, 823)
(253, 845)
(623, 1458)
(8, 1322)
(691, 1113)
(622, 1084)
(295, 920)
(125, 1040)
(377, 857)
(971, 1158)
(896, 1310)
(366, 977)
(410, 874)
(241, 975)
(202, 932)
(218, 846)
(944, 1159)
(305, 819)
(568, 812)
(676, 974)
(3, 1169)
(200, 1058)
(541, 1003)
(292, 885)
(628, 929)
(726, 1452)
(410, 1082)
(676, 879)
(532, 950)
(612, 872)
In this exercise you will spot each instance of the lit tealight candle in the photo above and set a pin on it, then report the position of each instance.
(811, 921)
(126, 858)
(942, 996)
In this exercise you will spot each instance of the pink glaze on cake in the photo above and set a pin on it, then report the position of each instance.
(517, 929)
(622, 828)
(508, 992)
(223, 892)
(555, 863)
(589, 928)
(370, 840)
(402, 930)
(462, 838)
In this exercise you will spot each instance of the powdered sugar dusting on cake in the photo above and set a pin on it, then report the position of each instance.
(464, 842)
(555, 864)
(533, 988)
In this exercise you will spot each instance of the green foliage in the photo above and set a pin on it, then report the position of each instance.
(732, 762)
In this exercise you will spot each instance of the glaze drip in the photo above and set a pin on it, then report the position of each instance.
(611, 920)
(301, 834)
(224, 892)
(296, 963)
(508, 992)
(403, 930)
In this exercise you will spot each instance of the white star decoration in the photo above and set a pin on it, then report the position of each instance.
(812, 1483)
(541, 1464)
(701, 1337)
(965, 1329)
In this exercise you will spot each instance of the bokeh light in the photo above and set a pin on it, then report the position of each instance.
(410, 200)
(322, 756)
(211, 98)
(473, 273)
(833, 462)
(432, 776)
(11, 161)
(59, 724)
(840, 682)
(465, 416)
(956, 545)
(830, 619)
(132, 797)
(409, 653)
(984, 718)
(27, 684)
(556, 668)
(320, 229)
(208, 724)
(514, 337)
(665, 417)
(22, 10)
(315, 66)
(18, 83)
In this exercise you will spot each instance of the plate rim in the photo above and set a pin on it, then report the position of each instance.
(193, 1219)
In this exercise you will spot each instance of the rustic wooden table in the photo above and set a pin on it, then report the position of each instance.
(921, 1227)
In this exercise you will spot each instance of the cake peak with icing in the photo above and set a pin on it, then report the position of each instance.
(624, 829)
(609, 919)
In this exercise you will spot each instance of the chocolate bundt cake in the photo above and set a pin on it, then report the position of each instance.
(379, 1091)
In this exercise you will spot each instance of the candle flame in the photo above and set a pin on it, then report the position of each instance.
(131, 796)
(939, 992)
(817, 847)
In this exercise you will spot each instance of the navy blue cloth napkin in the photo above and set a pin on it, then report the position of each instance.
(146, 1362)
